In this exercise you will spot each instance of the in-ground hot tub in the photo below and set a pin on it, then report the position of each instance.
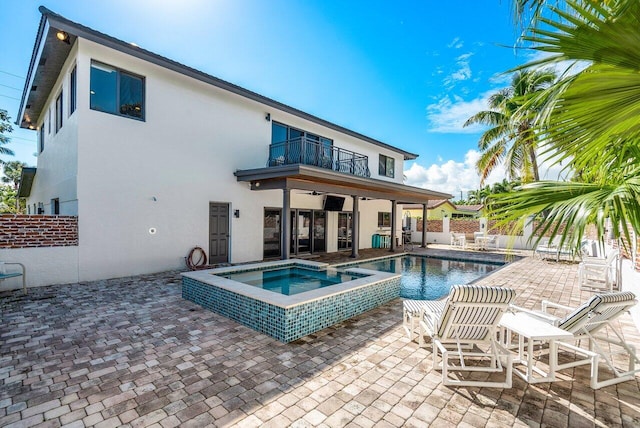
(289, 299)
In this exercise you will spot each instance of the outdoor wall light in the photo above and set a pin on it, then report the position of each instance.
(236, 213)
(268, 117)
(63, 36)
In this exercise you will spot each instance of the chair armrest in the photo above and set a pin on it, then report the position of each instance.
(434, 318)
(543, 316)
(548, 304)
(594, 262)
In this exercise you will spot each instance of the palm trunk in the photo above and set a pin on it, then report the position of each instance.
(534, 163)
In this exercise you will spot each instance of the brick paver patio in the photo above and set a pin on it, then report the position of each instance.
(132, 352)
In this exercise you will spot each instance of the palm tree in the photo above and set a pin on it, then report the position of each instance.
(5, 127)
(591, 121)
(12, 173)
(511, 139)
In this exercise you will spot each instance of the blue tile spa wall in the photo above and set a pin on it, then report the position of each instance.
(293, 323)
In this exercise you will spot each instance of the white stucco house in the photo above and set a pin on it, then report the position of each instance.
(155, 158)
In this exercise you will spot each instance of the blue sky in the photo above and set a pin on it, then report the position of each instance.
(407, 73)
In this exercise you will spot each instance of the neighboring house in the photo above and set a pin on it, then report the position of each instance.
(437, 209)
(155, 157)
(468, 211)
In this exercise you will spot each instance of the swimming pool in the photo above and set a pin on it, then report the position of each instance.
(228, 291)
(429, 278)
(291, 280)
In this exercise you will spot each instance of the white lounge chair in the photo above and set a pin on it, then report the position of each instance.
(412, 311)
(466, 329)
(598, 274)
(585, 322)
(553, 249)
(458, 239)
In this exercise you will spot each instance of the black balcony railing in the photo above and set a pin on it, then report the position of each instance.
(311, 152)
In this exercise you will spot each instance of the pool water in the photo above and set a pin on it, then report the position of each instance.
(291, 280)
(430, 278)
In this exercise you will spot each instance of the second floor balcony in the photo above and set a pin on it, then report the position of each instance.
(303, 150)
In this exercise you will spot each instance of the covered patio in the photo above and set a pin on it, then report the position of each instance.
(312, 178)
(132, 351)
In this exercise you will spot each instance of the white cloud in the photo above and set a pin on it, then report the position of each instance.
(501, 79)
(448, 115)
(560, 68)
(463, 71)
(456, 43)
(451, 176)
(454, 177)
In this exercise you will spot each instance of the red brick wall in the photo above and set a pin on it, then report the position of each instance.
(508, 229)
(464, 226)
(24, 231)
(432, 225)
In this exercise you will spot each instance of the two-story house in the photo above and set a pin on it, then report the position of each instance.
(155, 158)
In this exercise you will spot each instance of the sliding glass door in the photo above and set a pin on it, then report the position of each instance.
(319, 228)
(345, 221)
(300, 229)
(308, 232)
(271, 233)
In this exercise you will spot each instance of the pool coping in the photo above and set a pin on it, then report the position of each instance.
(210, 276)
(426, 256)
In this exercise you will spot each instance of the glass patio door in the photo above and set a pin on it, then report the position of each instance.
(300, 231)
(319, 234)
(345, 222)
(271, 233)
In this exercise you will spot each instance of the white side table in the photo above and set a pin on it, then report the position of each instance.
(481, 242)
(533, 330)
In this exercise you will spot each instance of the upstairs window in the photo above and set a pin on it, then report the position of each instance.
(59, 112)
(41, 142)
(386, 166)
(73, 91)
(116, 91)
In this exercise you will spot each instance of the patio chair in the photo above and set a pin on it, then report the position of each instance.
(412, 311)
(468, 321)
(585, 322)
(553, 249)
(596, 274)
(458, 239)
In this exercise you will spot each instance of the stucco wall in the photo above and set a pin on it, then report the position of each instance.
(131, 176)
(57, 163)
(44, 266)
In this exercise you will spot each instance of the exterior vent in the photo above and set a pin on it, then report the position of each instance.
(42, 61)
(34, 88)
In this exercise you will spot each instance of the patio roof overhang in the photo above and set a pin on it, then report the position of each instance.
(26, 182)
(311, 178)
